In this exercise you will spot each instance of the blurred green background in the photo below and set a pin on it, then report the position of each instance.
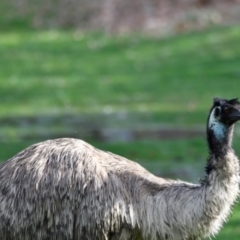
(143, 93)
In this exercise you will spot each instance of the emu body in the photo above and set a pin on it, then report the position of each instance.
(65, 189)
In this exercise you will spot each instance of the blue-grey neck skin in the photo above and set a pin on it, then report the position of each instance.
(218, 128)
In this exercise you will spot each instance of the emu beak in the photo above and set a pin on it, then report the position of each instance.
(234, 115)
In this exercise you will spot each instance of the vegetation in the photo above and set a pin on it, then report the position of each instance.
(127, 82)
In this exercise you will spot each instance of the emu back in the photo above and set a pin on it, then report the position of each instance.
(61, 190)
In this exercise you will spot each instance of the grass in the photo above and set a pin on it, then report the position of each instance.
(117, 82)
(172, 80)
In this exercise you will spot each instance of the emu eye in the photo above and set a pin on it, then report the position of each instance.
(227, 109)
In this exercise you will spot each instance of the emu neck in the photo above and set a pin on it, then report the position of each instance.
(219, 139)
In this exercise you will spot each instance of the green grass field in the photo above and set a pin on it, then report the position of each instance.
(118, 82)
(174, 78)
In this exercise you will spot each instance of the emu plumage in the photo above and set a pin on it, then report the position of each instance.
(65, 189)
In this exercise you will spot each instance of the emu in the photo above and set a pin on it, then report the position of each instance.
(65, 189)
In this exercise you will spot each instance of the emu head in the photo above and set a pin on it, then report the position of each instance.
(223, 114)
